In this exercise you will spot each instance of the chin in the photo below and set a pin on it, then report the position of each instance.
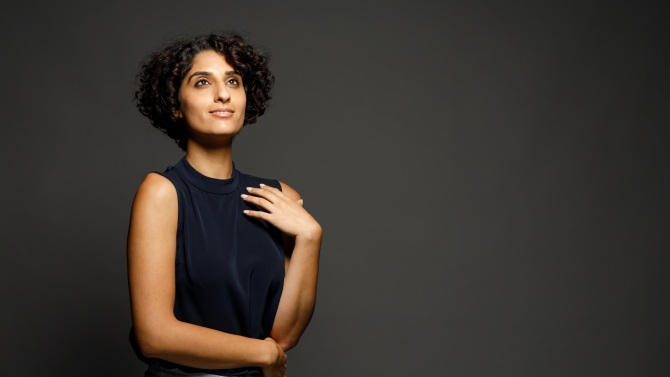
(219, 129)
(225, 129)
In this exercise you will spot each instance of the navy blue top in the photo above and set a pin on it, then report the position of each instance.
(229, 267)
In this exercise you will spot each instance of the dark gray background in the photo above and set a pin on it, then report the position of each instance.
(491, 178)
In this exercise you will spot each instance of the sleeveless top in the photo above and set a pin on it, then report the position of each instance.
(229, 267)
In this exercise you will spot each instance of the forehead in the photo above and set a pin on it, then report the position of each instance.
(210, 61)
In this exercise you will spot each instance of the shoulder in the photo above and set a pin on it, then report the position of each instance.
(288, 190)
(158, 185)
(156, 190)
(254, 181)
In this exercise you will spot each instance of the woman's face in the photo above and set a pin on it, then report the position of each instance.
(212, 98)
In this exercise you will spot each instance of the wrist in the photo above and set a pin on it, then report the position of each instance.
(268, 353)
(310, 236)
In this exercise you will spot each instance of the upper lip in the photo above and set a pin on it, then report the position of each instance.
(222, 110)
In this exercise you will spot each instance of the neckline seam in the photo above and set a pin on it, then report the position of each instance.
(208, 184)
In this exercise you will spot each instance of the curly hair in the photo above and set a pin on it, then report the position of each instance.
(162, 72)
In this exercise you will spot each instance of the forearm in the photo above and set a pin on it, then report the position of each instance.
(299, 294)
(200, 347)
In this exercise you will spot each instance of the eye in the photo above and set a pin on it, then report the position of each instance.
(201, 82)
(233, 81)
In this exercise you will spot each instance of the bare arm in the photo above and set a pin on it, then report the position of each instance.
(151, 276)
(302, 244)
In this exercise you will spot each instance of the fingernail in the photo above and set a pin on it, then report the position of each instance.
(244, 195)
(262, 185)
(248, 188)
(246, 211)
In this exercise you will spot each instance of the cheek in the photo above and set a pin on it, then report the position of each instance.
(189, 107)
(243, 101)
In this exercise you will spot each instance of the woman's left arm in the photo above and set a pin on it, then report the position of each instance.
(302, 234)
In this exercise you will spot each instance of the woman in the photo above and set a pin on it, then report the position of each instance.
(222, 265)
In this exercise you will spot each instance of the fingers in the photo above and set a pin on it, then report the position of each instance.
(273, 189)
(269, 190)
(264, 193)
(271, 199)
(257, 214)
(261, 202)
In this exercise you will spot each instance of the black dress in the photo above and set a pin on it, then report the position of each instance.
(229, 267)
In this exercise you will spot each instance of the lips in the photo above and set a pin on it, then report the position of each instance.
(222, 113)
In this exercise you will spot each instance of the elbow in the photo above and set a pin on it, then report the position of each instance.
(147, 346)
(287, 343)
(149, 342)
(147, 352)
(285, 340)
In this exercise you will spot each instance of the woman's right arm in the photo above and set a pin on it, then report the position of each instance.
(151, 277)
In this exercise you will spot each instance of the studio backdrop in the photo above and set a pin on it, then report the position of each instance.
(491, 178)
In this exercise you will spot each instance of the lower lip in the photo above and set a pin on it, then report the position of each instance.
(223, 115)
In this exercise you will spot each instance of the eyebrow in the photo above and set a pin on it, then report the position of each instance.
(207, 73)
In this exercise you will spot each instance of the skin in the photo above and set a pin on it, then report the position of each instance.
(152, 239)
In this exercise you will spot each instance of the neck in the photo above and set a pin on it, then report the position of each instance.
(211, 161)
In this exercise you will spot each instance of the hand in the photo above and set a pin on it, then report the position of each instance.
(285, 214)
(277, 365)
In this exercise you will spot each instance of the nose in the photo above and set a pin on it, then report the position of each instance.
(222, 94)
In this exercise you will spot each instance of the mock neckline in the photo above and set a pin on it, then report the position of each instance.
(205, 183)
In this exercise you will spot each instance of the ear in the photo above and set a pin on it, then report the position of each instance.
(178, 114)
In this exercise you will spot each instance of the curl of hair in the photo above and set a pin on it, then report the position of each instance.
(162, 72)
